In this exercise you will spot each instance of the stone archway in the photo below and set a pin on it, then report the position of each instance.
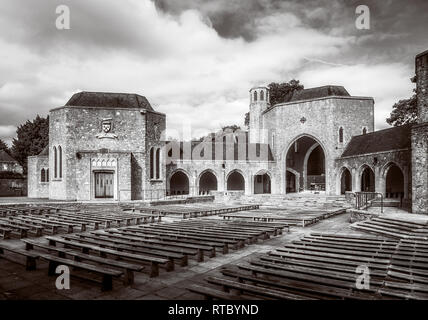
(306, 156)
(235, 181)
(394, 179)
(367, 179)
(179, 183)
(262, 183)
(207, 182)
(345, 180)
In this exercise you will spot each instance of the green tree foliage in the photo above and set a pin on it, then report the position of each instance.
(404, 112)
(282, 92)
(32, 138)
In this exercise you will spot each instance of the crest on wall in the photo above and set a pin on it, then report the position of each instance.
(106, 129)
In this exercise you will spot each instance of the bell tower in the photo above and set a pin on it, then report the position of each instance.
(259, 102)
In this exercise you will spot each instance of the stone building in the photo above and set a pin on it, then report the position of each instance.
(105, 145)
(101, 146)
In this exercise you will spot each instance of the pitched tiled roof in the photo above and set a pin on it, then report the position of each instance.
(109, 100)
(383, 140)
(319, 92)
(4, 156)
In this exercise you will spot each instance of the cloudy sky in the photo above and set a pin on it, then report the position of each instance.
(195, 60)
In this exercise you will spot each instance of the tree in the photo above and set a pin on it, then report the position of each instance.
(282, 92)
(247, 120)
(231, 128)
(32, 138)
(404, 112)
(3, 146)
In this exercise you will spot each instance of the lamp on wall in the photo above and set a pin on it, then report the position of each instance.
(78, 155)
(374, 160)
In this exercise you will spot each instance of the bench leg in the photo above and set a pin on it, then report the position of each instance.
(23, 234)
(128, 277)
(107, 283)
(170, 265)
(225, 248)
(70, 229)
(200, 255)
(39, 232)
(96, 226)
(83, 227)
(54, 230)
(30, 264)
(184, 261)
(52, 268)
(154, 272)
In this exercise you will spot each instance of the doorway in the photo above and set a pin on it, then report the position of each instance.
(104, 185)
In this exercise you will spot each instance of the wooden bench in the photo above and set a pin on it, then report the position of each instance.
(5, 232)
(31, 257)
(253, 289)
(106, 273)
(188, 249)
(23, 231)
(128, 268)
(133, 247)
(154, 262)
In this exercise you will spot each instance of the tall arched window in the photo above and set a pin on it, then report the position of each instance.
(43, 175)
(255, 95)
(262, 96)
(364, 130)
(157, 163)
(47, 175)
(60, 161)
(341, 135)
(55, 163)
(152, 175)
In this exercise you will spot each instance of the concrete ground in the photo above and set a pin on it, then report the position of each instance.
(16, 283)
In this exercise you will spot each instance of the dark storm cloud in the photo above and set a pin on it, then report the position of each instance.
(190, 57)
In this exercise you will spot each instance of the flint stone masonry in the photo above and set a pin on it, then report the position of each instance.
(37, 188)
(420, 138)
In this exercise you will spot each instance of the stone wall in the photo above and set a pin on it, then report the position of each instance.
(420, 138)
(319, 119)
(36, 188)
(76, 130)
(379, 163)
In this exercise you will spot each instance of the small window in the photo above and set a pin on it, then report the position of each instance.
(255, 95)
(47, 175)
(262, 96)
(157, 163)
(341, 135)
(152, 168)
(60, 161)
(43, 175)
(55, 162)
(364, 130)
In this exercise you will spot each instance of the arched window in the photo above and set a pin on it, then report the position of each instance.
(273, 140)
(262, 95)
(152, 168)
(47, 175)
(43, 175)
(341, 135)
(255, 95)
(55, 163)
(60, 161)
(364, 130)
(157, 163)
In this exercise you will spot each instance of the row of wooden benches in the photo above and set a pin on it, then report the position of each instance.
(303, 218)
(197, 210)
(158, 245)
(393, 228)
(26, 223)
(323, 266)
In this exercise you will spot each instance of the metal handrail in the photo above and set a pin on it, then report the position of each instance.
(364, 199)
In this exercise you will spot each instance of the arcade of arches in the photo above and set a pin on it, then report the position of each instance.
(207, 183)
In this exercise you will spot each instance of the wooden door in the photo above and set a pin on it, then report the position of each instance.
(104, 185)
